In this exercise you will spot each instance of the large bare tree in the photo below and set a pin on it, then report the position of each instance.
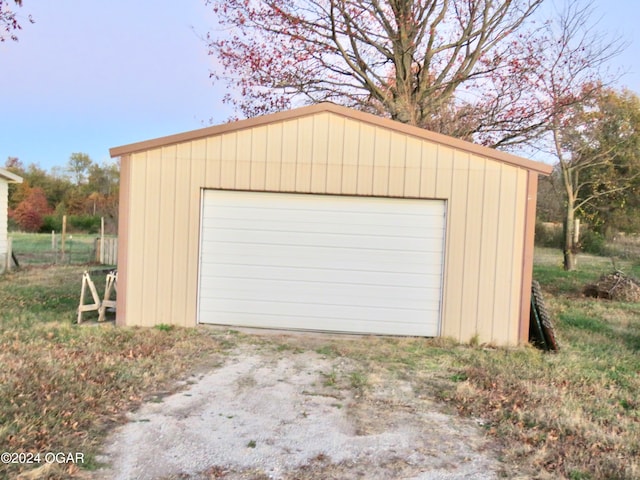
(404, 59)
(9, 21)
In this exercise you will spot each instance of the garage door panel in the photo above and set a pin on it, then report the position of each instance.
(325, 275)
(381, 243)
(353, 259)
(413, 228)
(351, 264)
(326, 324)
(325, 263)
(291, 291)
(324, 257)
(293, 308)
(332, 206)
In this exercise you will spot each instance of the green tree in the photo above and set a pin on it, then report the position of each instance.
(78, 168)
(609, 195)
(597, 148)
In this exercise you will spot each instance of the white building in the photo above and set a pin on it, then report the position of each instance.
(6, 177)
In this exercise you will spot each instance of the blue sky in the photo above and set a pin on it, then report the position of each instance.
(90, 75)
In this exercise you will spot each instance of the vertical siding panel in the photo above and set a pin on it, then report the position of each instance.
(413, 162)
(335, 156)
(489, 255)
(213, 155)
(136, 237)
(150, 253)
(198, 168)
(124, 244)
(258, 158)
(289, 155)
(472, 253)
(304, 154)
(273, 157)
(438, 174)
(505, 261)
(381, 158)
(456, 246)
(244, 142)
(166, 227)
(366, 151)
(320, 154)
(517, 257)
(181, 311)
(350, 157)
(228, 160)
(435, 161)
(397, 162)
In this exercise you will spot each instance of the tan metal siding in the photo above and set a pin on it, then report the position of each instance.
(138, 254)
(273, 160)
(490, 231)
(456, 246)
(335, 156)
(182, 308)
(328, 153)
(473, 215)
(197, 172)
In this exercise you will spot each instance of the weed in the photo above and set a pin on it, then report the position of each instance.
(251, 444)
(358, 380)
(330, 379)
(327, 350)
(163, 327)
(458, 377)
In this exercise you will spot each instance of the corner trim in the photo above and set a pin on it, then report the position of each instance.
(123, 235)
(527, 256)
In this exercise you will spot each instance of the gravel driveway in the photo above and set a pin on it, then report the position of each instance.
(269, 414)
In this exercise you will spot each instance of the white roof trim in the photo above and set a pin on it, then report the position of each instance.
(11, 177)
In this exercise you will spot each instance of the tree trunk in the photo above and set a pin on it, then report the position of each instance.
(569, 249)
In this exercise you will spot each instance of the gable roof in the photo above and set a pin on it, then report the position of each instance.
(420, 133)
(10, 177)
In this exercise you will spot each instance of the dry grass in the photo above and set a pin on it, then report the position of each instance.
(574, 414)
(61, 385)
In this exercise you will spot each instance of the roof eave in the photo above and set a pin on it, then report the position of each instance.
(539, 167)
(9, 176)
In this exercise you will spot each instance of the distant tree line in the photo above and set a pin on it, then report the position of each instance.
(82, 190)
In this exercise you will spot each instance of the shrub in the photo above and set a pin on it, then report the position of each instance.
(75, 223)
(85, 223)
(548, 235)
(593, 243)
(51, 222)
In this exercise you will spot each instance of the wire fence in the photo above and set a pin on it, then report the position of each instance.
(48, 249)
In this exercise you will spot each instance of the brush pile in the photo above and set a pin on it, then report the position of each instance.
(615, 286)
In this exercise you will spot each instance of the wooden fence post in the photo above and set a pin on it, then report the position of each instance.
(64, 234)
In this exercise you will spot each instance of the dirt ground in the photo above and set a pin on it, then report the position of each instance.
(270, 414)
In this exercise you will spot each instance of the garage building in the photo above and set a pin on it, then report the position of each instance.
(325, 218)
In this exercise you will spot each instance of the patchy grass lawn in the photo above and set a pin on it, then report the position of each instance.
(574, 414)
(62, 385)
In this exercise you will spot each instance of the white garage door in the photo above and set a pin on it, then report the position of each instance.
(321, 262)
